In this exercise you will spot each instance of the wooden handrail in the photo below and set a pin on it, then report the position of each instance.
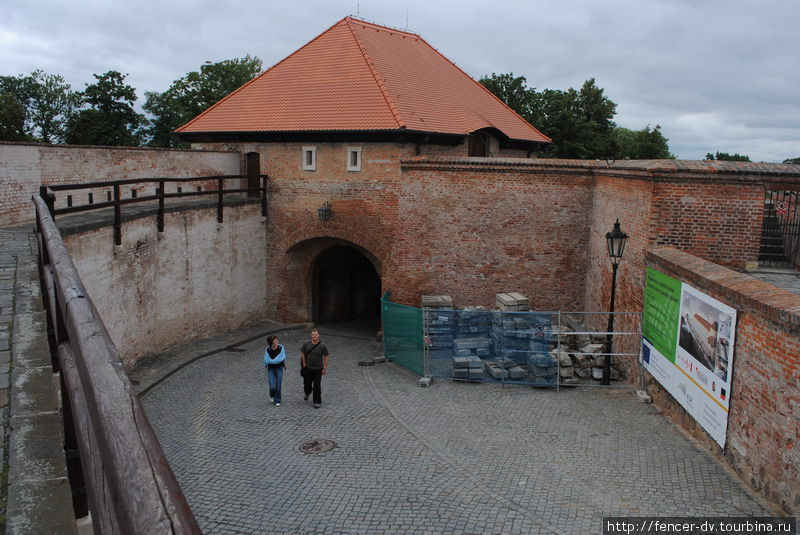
(116, 200)
(130, 486)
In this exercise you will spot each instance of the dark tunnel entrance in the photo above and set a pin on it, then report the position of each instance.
(346, 287)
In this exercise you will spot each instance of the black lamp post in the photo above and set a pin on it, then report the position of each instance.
(324, 212)
(616, 247)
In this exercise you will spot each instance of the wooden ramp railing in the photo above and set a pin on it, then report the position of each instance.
(130, 487)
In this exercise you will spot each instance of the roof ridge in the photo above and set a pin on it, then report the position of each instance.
(376, 75)
(498, 99)
(229, 95)
(381, 26)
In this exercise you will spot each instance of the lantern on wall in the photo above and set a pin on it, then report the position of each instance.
(616, 243)
(324, 212)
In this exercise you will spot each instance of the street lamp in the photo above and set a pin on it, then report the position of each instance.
(616, 247)
(324, 212)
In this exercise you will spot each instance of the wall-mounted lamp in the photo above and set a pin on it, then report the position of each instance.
(325, 211)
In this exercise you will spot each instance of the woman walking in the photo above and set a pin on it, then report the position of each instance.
(274, 362)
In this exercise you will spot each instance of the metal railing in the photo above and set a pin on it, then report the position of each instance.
(115, 200)
(780, 232)
(129, 486)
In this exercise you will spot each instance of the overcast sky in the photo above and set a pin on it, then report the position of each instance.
(716, 75)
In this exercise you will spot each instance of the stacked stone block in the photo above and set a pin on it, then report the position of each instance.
(439, 319)
(472, 342)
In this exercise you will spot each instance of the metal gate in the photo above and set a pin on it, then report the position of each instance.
(780, 231)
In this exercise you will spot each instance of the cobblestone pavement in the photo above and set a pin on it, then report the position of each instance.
(452, 458)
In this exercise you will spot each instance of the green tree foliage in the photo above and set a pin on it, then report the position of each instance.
(107, 116)
(580, 122)
(190, 95)
(12, 119)
(644, 144)
(47, 101)
(724, 156)
(792, 160)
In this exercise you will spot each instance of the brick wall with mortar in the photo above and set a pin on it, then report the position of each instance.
(195, 279)
(474, 227)
(763, 444)
(24, 167)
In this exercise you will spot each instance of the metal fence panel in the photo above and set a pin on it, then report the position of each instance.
(402, 335)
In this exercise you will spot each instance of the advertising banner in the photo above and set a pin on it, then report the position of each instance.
(687, 345)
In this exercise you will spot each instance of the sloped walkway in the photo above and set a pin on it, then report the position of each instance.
(452, 458)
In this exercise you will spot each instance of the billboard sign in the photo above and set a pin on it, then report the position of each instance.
(687, 345)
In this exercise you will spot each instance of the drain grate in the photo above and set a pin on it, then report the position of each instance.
(236, 350)
(318, 445)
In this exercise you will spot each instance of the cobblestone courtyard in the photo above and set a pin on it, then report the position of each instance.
(452, 458)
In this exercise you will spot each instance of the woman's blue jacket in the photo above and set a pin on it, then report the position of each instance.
(280, 357)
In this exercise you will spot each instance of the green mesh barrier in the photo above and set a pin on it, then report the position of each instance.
(402, 335)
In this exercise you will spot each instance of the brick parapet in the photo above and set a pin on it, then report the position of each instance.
(740, 290)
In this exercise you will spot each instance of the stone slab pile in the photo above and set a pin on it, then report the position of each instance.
(439, 320)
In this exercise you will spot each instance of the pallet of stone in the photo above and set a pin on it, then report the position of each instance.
(460, 362)
(511, 301)
(471, 374)
(517, 373)
(440, 341)
(460, 373)
(495, 371)
(437, 301)
(476, 374)
(472, 343)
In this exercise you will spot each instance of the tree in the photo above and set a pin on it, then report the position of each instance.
(190, 95)
(792, 160)
(578, 121)
(724, 156)
(12, 119)
(47, 101)
(512, 90)
(108, 117)
(644, 144)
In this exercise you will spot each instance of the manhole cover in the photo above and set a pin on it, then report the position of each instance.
(318, 445)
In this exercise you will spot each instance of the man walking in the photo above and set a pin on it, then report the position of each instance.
(314, 360)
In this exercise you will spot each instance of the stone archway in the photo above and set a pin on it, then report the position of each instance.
(345, 286)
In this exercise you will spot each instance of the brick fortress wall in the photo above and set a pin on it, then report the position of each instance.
(24, 167)
(764, 421)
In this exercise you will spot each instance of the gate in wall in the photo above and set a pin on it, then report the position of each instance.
(542, 349)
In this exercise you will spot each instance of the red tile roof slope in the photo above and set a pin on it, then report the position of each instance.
(360, 76)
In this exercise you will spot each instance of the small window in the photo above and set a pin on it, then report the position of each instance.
(354, 159)
(309, 158)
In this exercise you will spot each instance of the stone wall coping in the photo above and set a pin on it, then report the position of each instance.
(108, 147)
(743, 291)
(757, 171)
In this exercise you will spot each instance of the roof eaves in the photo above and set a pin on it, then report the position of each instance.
(375, 74)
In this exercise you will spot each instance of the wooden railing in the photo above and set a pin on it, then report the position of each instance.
(256, 188)
(129, 485)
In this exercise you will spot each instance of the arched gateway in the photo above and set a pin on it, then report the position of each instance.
(333, 279)
(345, 286)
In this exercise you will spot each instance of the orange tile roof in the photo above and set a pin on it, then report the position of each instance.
(360, 76)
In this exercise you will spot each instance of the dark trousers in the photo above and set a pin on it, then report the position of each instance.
(312, 381)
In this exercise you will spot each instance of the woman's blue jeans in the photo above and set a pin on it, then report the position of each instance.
(275, 377)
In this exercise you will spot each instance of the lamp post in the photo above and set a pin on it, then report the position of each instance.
(616, 247)
(324, 212)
